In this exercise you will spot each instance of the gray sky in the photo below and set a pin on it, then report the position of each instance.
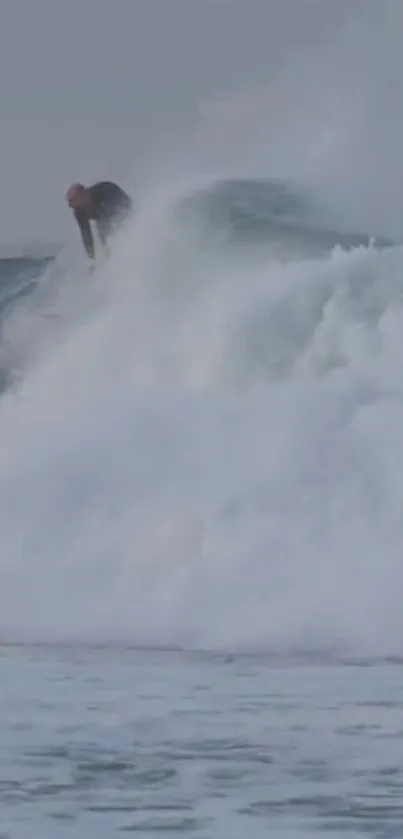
(94, 90)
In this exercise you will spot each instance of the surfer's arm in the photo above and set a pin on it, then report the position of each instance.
(86, 233)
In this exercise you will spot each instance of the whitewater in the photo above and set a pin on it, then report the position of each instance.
(208, 436)
(202, 448)
(201, 491)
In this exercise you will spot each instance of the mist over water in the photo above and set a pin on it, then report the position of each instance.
(206, 445)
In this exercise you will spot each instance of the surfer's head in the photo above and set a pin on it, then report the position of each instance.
(78, 197)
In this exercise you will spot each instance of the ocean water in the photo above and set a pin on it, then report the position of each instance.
(201, 491)
(117, 741)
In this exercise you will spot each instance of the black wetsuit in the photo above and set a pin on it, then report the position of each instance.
(110, 207)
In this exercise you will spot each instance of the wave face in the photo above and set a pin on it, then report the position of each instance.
(201, 444)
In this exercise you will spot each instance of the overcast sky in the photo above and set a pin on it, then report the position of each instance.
(94, 89)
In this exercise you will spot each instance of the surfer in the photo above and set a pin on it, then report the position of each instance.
(105, 203)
